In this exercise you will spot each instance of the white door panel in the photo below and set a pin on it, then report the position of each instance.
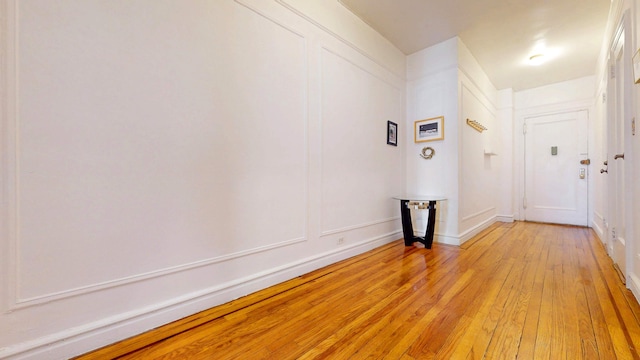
(616, 147)
(555, 182)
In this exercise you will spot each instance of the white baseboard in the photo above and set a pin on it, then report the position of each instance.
(441, 238)
(446, 239)
(505, 218)
(460, 239)
(598, 230)
(91, 336)
(634, 285)
(465, 236)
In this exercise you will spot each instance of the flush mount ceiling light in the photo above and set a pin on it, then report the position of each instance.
(536, 59)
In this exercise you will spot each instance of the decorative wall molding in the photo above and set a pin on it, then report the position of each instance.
(468, 217)
(598, 215)
(9, 148)
(446, 239)
(89, 336)
(327, 50)
(359, 226)
(634, 284)
(505, 218)
(476, 230)
(293, 9)
(482, 98)
(376, 76)
(84, 335)
(258, 11)
(596, 226)
(467, 81)
(23, 303)
(599, 232)
(555, 108)
(11, 141)
(428, 75)
(474, 104)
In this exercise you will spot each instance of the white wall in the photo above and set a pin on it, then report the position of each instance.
(432, 91)
(505, 117)
(598, 137)
(446, 80)
(479, 169)
(160, 158)
(558, 94)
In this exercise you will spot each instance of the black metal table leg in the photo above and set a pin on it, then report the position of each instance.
(407, 227)
(428, 236)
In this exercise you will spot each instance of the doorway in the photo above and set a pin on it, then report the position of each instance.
(618, 110)
(556, 168)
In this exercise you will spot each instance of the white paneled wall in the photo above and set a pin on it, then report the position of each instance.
(432, 91)
(351, 158)
(506, 207)
(480, 193)
(138, 157)
(479, 171)
(446, 80)
(163, 157)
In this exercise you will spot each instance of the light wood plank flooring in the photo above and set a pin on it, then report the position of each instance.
(521, 290)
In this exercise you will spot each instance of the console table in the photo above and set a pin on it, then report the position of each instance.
(405, 213)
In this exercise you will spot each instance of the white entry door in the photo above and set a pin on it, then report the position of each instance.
(616, 148)
(556, 183)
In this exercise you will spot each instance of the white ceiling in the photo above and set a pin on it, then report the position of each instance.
(501, 34)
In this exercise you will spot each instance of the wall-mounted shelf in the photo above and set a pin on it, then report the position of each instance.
(476, 125)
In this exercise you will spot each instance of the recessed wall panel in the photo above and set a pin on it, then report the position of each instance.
(150, 137)
(360, 172)
(479, 180)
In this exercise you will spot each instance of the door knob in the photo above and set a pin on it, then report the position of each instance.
(619, 156)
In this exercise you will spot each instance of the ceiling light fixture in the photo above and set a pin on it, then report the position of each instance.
(536, 59)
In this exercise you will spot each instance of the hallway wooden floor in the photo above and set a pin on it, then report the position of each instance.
(521, 290)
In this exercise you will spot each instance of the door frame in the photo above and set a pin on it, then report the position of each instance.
(582, 128)
(519, 150)
(622, 37)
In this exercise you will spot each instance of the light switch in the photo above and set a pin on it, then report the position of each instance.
(554, 150)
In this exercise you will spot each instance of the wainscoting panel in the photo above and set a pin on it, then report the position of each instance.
(171, 160)
(357, 163)
(160, 158)
(479, 178)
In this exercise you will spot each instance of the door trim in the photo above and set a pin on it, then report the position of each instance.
(579, 211)
(521, 115)
(622, 38)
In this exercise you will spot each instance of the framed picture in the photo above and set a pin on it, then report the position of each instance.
(392, 133)
(429, 129)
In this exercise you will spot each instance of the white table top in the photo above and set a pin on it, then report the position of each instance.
(418, 197)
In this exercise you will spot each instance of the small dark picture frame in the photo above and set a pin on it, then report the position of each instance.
(392, 133)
